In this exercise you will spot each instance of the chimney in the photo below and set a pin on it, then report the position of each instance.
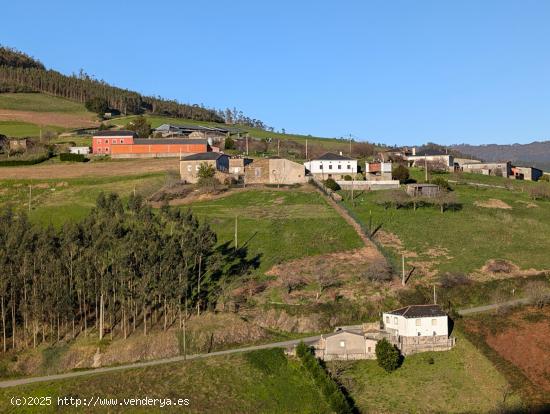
(414, 150)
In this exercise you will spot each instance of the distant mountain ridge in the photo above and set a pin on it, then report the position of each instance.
(535, 153)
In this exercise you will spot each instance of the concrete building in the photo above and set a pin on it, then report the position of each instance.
(345, 345)
(412, 329)
(500, 169)
(418, 328)
(420, 158)
(79, 150)
(125, 144)
(237, 165)
(331, 165)
(526, 173)
(459, 162)
(426, 190)
(190, 165)
(274, 171)
(378, 171)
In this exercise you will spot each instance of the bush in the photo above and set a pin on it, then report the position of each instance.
(329, 388)
(545, 178)
(348, 178)
(229, 143)
(72, 157)
(378, 272)
(450, 279)
(400, 173)
(441, 182)
(33, 161)
(387, 355)
(333, 185)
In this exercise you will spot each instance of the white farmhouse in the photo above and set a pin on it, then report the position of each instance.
(79, 150)
(333, 166)
(417, 328)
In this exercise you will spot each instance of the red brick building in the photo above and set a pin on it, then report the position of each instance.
(126, 144)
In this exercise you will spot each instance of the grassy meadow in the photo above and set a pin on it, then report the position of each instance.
(39, 102)
(464, 240)
(458, 381)
(261, 381)
(278, 225)
(19, 129)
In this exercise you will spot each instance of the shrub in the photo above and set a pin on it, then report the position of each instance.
(378, 272)
(441, 182)
(33, 161)
(229, 143)
(545, 178)
(206, 171)
(387, 355)
(451, 279)
(400, 173)
(348, 178)
(329, 388)
(500, 266)
(333, 185)
(72, 157)
(540, 192)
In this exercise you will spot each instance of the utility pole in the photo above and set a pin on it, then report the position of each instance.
(247, 144)
(278, 150)
(403, 270)
(426, 166)
(306, 150)
(435, 297)
(236, 233)
(30, 196)
(350, 145)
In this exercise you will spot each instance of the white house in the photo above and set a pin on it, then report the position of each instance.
(79, 150)
(331, 165)
(417, 320)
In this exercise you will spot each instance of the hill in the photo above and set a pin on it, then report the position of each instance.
(536, 153)
(19, 72)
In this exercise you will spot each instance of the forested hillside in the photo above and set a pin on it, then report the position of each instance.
(22, 73)
(536, 153)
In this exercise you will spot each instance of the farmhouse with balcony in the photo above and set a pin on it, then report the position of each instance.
(125, 144)
(331, 165)
(412, 329)
(190, 165)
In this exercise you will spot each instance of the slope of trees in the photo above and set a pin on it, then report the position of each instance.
(18, 70)
(120, 269)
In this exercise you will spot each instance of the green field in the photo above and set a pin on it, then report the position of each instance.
(57, 201)
(261, 381)
(279, 225)
(468, 238)
(39, 102)
(19, 129)
(459, 381)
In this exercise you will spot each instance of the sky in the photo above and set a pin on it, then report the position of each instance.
(397, 72)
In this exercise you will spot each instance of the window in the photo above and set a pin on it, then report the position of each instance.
(320, 166)
(106, 141)
(434, 322)
(339, 167)
(418, 322)
(330, 167)
(122, 141)
(349, 167)
(106, 149)
(395, 320)
(369, 350)
(434, 333)
(342, 344)
(99, 141)
(387, 319)
(189, 168)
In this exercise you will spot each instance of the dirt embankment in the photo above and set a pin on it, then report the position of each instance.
(65, 120)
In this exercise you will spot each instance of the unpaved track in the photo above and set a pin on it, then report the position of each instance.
(23, 381)
(90, 169)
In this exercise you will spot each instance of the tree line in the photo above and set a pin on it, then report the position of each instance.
(122, 267)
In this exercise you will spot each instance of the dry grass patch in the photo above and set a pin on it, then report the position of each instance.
(493, 203)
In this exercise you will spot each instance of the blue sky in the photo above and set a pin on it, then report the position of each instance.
(398, 72)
